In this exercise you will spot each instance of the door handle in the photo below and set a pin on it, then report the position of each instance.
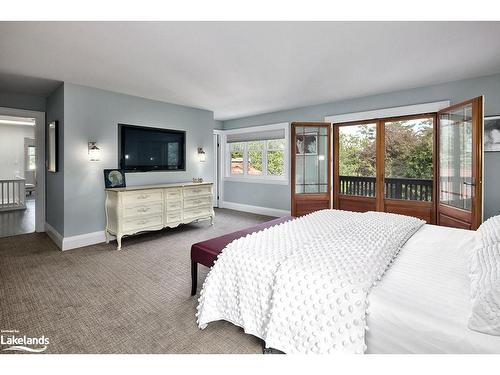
(469, 183)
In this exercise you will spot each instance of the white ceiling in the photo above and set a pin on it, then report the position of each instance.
(243, 68)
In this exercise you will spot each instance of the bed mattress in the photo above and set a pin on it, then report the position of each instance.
(422, 304)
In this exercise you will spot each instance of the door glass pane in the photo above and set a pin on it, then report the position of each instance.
(237, 150)
(311, 160)
(408, 159)
(255, 153)
(357, 159)
(455, 158)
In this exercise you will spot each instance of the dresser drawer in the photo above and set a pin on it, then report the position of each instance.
(196, 202)
(193, 213)
(135, 197)
(197, 191)
(173, 194)
(143, 209)
(174, 217)
(144, 223)
(174, 205)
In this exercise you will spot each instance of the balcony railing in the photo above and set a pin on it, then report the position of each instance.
(13, 194)
(395, 188)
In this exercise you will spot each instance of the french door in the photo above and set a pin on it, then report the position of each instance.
(386, 165)
(427, 166)
(311, 167)
(460, 164)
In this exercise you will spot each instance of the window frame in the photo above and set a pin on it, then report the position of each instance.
(264, 177)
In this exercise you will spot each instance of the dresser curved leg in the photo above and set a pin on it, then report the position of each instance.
(211, 220)
(119, 240)
(106, 234)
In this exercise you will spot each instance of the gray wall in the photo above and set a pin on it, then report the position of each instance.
(93, 115)
(54, 211)
(258, 194)
(22, 101)
(279, 197)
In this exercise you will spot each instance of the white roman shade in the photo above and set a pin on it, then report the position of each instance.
(256, 136)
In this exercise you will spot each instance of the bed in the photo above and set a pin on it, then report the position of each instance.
(418, 300)
(422, 304)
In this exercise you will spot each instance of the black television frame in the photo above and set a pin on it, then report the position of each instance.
(121, 158)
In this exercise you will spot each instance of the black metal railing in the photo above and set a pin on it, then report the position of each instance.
(395, 188)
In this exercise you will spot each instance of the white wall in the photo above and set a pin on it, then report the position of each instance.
(12, 149)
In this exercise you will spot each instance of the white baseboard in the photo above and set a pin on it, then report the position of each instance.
(87, 239)
(54, 235)
(253, 209)
(73, 242)
(81, 240)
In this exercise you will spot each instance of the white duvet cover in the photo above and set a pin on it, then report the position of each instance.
(302, 286)
(423, 303)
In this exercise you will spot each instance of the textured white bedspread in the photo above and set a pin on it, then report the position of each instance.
(422, 304)
(302, 286)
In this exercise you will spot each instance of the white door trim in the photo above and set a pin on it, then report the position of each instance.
(216, 167)
(407, 110)
(40, 160)
(218, 171)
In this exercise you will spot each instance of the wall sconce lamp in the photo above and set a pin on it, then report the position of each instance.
(94, 152)
(201, 154)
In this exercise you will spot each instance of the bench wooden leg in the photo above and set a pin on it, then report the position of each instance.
(194, 277)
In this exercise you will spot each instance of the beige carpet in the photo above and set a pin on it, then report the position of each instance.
(98, 300)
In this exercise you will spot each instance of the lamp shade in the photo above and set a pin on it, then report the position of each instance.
(94, 152)
(201, 154)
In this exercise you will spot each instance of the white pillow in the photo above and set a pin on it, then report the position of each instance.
(485, 279)
(489, 231)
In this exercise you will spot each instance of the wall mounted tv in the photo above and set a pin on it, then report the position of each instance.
(142, 149)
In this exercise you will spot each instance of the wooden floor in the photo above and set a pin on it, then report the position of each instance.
(17, 222)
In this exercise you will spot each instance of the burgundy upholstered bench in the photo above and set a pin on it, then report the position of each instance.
(206, 252)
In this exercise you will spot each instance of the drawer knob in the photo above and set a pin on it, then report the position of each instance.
(143, 196)
(143, 209)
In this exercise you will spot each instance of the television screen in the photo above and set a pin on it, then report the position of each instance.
(151, 149)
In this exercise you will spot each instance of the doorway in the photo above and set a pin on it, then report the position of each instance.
(22, 172)
(426, 165)
(387, 165)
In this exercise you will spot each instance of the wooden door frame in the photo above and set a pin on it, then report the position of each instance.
(380, 200)
(476, 213)
(310, 196)
(336, 185)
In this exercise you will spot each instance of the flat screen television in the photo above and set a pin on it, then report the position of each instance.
(143, 149)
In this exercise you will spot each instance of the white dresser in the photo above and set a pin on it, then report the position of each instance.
(135, 209)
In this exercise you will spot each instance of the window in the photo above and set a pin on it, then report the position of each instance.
(259, 154)
(255, 156)
(405, 145)
(237, 152)
(357, 159)
(276, 157)
(408, 160)
(31, 158)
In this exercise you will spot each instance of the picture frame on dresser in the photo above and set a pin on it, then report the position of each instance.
(114, 178)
